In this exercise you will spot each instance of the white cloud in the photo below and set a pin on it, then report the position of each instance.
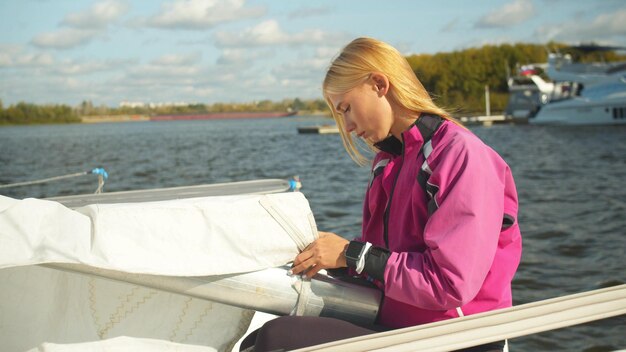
(5, 60)
(169, 67)
(480, 42)
(48, 88)
(202, 14)
(268, 33)
(64, 38)
(178, 59)
(242, 57)
(233, 56)
(25, 60)
(47, 65)
(305, 12)
(601, 29)
(158, 73)
(82, 27)
(311, 69)
(35, 60)
(198, 93)
(328, 53)
(167, 70)
(98, 16)
(14, 57)
(159, 83)
(70, 67)
(508, 15)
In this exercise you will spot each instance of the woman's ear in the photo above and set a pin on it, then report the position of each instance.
(380, 83)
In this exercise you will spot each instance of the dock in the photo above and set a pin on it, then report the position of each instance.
(322, 129)
(491, 120)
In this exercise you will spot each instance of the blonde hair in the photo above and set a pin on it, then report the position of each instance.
(353, 67)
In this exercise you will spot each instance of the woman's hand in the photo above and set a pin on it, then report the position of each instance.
(327, 252)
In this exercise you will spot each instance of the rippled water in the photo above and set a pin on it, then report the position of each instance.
(569, 180)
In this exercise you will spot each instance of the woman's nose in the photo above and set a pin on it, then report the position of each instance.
(350, 126)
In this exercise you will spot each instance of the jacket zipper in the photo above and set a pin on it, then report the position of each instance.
(388, 207)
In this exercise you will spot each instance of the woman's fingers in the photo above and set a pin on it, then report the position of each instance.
(302, 262)
(312, 271)
(307, 268)
(302, 266)
(324, 253)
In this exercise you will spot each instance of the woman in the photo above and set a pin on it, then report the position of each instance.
(440, 233)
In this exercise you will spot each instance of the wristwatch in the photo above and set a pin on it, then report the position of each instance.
(354, 252)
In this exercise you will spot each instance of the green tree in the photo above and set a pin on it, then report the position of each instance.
(28, 113)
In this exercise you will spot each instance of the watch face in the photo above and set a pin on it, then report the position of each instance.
(354, 250)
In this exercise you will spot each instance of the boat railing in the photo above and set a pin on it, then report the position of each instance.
(498, 325)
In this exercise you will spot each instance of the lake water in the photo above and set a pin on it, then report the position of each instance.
(570, 182)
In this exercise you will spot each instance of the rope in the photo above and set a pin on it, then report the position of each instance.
(26, 183)
(102, 175)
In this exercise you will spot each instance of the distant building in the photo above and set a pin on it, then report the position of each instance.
(132, 104)
(139, 104)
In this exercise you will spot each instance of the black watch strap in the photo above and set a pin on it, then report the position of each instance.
(376, 262)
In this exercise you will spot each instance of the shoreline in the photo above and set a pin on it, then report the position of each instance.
(113, 118)
(143, 118)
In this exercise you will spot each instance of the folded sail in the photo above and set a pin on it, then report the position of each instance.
(188, 237)
(185, 237)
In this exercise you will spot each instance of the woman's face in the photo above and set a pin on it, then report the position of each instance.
(366, 111)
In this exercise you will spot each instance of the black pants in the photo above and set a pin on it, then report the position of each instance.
(290, 333)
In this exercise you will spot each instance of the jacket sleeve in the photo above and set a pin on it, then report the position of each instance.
(461, 234)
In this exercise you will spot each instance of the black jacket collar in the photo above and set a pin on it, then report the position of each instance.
(390, 145)
(426, 124)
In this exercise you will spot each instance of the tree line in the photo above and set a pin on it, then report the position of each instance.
(456, 80)
(27, 113)
(297, 104)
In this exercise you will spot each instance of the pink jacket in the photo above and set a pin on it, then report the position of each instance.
(464, 251)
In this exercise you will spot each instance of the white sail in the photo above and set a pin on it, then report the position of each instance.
(187, 237)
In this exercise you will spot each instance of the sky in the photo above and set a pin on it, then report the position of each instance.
(207, 51)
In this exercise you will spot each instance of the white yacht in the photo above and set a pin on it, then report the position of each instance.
(596, 93)
(529, 92)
